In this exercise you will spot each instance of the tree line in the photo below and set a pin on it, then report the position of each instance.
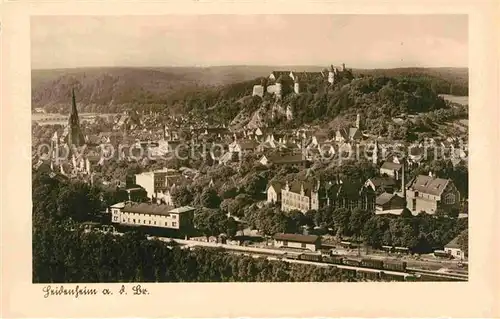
(422, 233)
(63, 256)
(63, 253)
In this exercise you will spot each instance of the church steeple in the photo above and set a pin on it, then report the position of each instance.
(74, 111)
(75, 135)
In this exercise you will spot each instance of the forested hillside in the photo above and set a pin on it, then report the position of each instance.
(109, 89)
(223, 95)
(378, 98)
(453, 81)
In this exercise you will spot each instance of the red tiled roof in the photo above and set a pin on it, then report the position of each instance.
(145, 208)
(276, 185)
(297, 186)
(453, 243)
(391, 166)
(429, 185)
(382, 181)
(384, 198)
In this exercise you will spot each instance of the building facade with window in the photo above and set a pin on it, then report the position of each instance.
(152, 215)
(274, 192)
(116, 209)
(302, 196)
(350, 195)
(157, 183)
(307, 242)
(305, 195)
(428, 194)
(454, 249)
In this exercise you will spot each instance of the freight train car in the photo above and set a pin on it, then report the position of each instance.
(333, 259)
(392, 265)
(372, 263)
(395, 265)
(310, 257)
(292, 255)
(352, 262)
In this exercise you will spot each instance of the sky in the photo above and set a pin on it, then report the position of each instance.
(359, 41)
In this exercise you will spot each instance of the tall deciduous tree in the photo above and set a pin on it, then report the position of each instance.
(342, 217)
(209, 198)
(182, 196)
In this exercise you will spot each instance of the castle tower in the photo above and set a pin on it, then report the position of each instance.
(343, 67)
(75, 136)
(296, 85)
(263, 82)
(260, 89)
(331, 75)
(279, 87)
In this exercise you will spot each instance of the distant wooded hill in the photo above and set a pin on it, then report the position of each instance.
(113, 89)
(453, 81)
(120, 86)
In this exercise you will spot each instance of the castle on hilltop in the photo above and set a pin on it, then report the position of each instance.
(279, 83)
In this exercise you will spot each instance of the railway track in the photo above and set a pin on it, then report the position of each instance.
(428, 274)
(324, 264)
(285, 256)
(454, 276)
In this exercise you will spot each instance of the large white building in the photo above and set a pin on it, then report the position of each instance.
(158, 183)
(152, 215)
(306, 242)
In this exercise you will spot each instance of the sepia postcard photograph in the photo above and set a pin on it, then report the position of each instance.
(167, 149)
(249, 148)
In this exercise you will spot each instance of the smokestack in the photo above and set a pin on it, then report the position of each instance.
(403, 186)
